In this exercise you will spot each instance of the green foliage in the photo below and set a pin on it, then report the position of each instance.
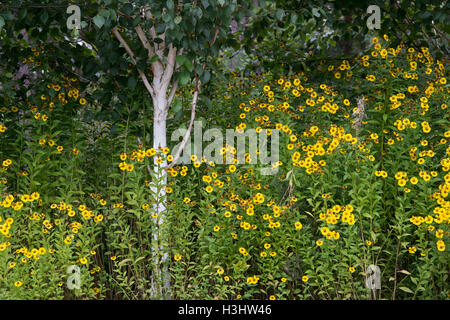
(362, 177)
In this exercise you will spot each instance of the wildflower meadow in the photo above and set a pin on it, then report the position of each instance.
(224, 150)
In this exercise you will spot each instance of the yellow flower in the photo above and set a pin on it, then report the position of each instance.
(18, 283)
(150, 152)
(305, 278)
(412, 250)
(177, 257)
(402, 182)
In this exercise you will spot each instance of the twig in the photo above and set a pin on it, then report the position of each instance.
(441, 32)
(395, 270)
(188, 132)
(431, 41)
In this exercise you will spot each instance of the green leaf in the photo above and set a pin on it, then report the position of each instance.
(176, 107)
(206, 76)
(177, 20)
(188, 64)
(104, 13)
(44, 17)
(316, 12)
(279, 14)
(406, 289)
(154, 59)
(99, 21)
(136, 21)
(139, 259)
(22, 13)
(294, 18)
(121, 263)
(181, 60)
(184, 78)
(131, 83)
(205, 3)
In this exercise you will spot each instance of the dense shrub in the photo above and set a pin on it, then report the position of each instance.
(362, 180)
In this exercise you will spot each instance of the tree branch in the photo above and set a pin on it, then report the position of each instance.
(188, 132)
(441, 32)
(133, 59)
(175, 83)
(170, 68)
(172, 93)
(145, 41)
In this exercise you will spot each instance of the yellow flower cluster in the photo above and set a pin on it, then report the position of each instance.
(332, 215)
(6, 226)
(139, 155)
(253, 280)
(34, 253)
(381, 173)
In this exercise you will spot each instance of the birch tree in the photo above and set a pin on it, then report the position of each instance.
(174, 39)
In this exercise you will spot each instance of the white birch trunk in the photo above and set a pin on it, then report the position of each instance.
(161, 277)
(163, 70)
